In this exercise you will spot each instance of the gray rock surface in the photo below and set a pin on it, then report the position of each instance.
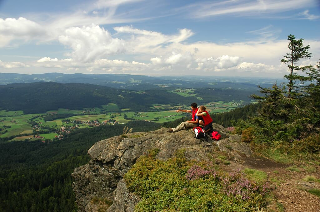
(101, 178)
(123, 199)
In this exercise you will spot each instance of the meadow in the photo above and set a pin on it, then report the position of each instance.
(16, 125)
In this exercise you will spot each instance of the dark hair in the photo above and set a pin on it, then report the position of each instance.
(194, 105)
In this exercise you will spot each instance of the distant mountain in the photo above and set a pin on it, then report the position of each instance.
(41, 97)
(138, 82)
(44, 96)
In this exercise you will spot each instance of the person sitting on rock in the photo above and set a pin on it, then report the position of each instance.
(188, 124)
(206, 119)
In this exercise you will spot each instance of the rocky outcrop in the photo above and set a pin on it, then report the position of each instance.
(99, 183)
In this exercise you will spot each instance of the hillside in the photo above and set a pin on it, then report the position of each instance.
(113, 179)
(139, 82)
(36, 176)
(41, 97)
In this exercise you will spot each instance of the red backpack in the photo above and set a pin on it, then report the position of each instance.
(198, 132)
(215, 135)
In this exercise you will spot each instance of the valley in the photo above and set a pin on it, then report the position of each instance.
(17, 126)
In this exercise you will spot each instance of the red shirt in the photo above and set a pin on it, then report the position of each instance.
(207, 119)
(194, 112)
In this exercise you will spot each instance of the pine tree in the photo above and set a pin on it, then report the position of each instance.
(297, 52)
(275, 104)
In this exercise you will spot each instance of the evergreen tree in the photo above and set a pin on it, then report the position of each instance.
(312, 90)
(297, 52)
(289, 113)
(275, 105)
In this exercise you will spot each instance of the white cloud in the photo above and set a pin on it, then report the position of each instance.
(55, 63)
(226, 61)
(255, 51)
(174, 58)
(156, 60)
(237, 59)
(221, 63)
(137, 63)
(309, 16)
(47, 59)
(247, 8)
(112, 3)
(184, 35)
(261, 69)
(10, 65)
(90, 43)
(149, 41)
(118, 67)
(21, 29)
(49, 26)
(266, 33)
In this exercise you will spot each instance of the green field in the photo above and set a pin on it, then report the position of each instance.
(111, 107)
(4, 113)
(14, 125)
(49, 136)
(185, 92)
(24, 126)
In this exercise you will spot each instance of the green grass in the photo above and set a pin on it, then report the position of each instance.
(310, 178)
(310, 169)
(49, 136)
(22, 138)
(16, 125)
(67, 111)
(314, 192)
(294, 168)
(220, 107)
(280, 207)
(256, 175)
(111, 107)
(100, 117)
(185, 92)
(278, 156)
(4, 113)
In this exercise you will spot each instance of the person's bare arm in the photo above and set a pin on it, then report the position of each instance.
(185, 111)
(200, 113)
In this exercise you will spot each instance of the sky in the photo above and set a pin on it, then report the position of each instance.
(156, 37)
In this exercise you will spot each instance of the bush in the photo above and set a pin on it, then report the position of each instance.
(181, 185)
(247, 135)
(311, 144)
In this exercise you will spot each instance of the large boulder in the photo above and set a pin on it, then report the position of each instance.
(99, 184)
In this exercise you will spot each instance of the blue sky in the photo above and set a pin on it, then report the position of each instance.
(155, 37)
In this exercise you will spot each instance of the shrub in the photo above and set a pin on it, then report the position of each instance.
(310, 144)
(181, 185)
(247, 135)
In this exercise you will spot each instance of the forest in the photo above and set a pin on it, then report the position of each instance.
(41, 97)
(36, 176)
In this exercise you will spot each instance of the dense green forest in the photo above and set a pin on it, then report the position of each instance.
(228, 119)
(42, 97)
(36, 176)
